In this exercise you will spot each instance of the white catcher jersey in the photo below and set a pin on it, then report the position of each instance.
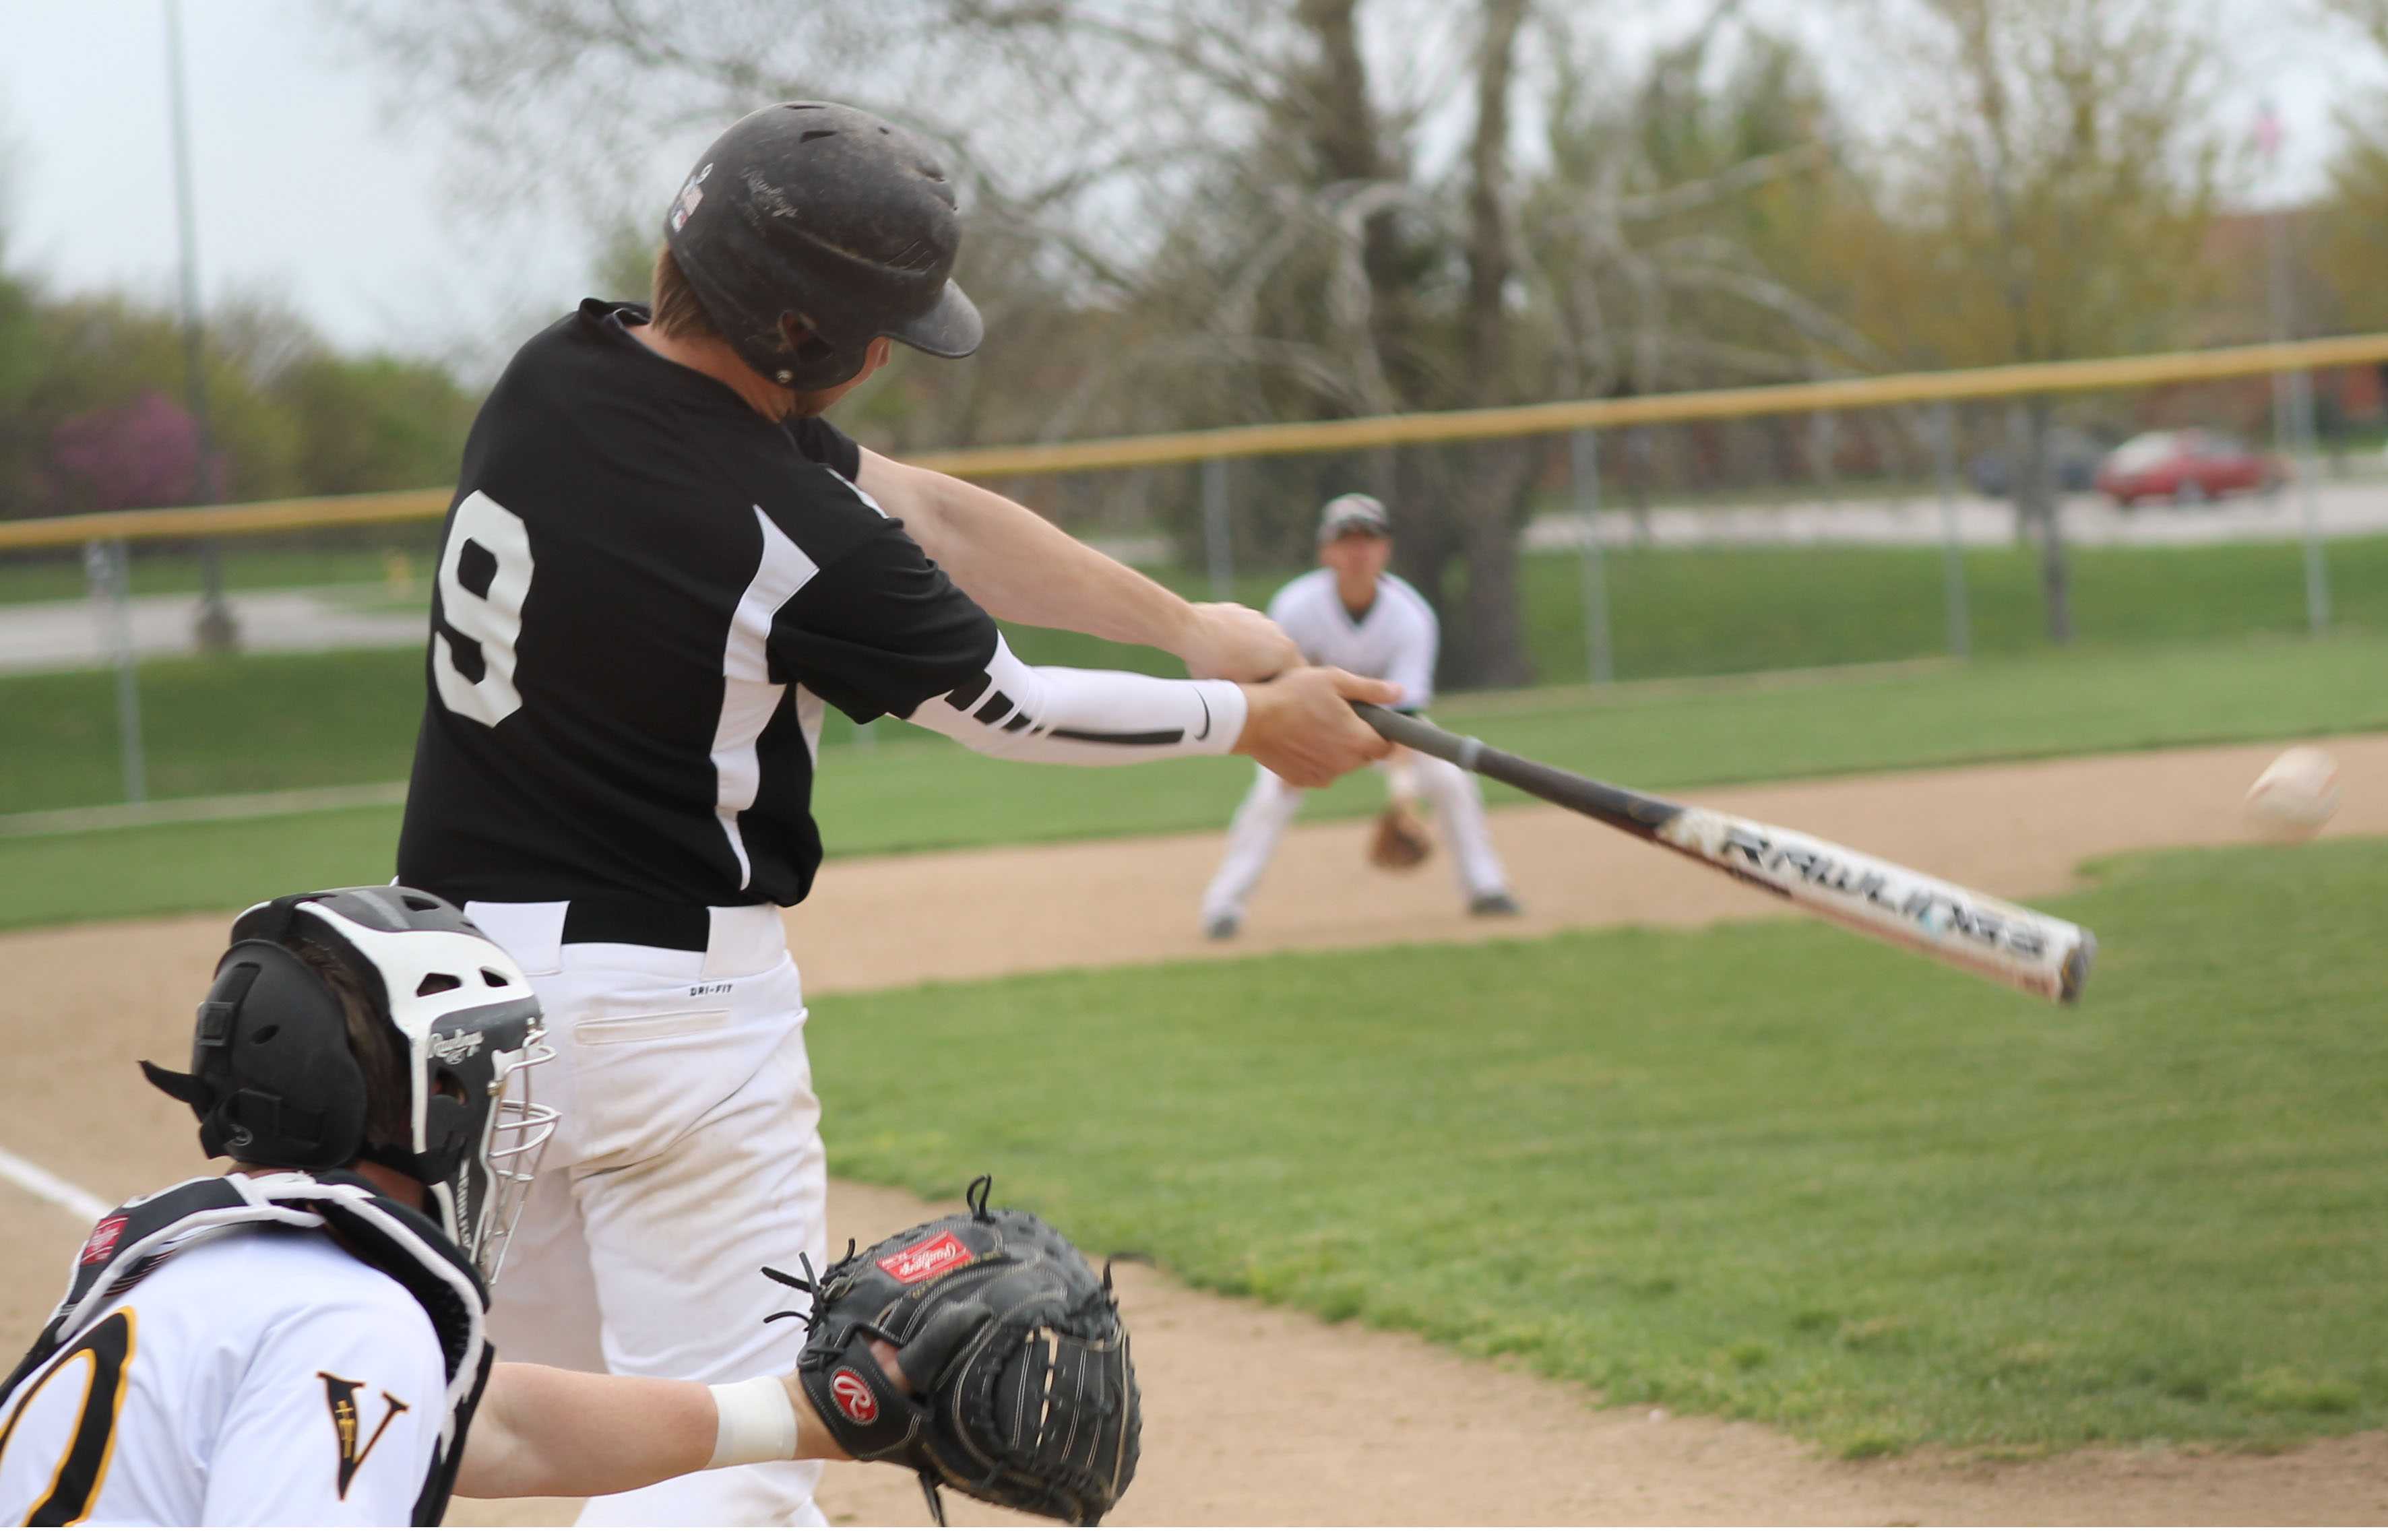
(1396, 640)
(256, 1377)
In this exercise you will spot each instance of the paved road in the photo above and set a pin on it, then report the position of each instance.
(2344, 507)
(41, 638)
(52, 637)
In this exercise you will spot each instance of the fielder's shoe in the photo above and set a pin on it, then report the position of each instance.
(1222, 928)
(1490, 905)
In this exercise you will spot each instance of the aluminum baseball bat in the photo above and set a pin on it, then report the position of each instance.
(2018, 947)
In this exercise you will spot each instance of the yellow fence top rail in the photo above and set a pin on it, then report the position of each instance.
(231, 518)
(1346, 433)
(1876, 390)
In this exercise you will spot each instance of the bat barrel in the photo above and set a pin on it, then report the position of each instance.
(2021, 948)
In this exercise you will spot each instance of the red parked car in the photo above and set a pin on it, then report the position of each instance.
(2185, 465)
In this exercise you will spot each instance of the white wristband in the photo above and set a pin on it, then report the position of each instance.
(756, 1423)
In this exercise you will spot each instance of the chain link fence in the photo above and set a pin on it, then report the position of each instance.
(1855, 522)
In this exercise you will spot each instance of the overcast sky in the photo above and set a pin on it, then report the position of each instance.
(307, 193)
(303, 190)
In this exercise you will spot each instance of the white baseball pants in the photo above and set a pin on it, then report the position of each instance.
(1268, 811)
(688, 1156)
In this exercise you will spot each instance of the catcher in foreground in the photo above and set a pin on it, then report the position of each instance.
(1012, 1380)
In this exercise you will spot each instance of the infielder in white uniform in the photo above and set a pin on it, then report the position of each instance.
(300, 1341)
(1351, 613)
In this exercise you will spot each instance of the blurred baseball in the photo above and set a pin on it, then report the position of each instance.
(2294, 796)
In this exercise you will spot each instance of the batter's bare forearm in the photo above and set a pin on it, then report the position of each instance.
(1019, 567)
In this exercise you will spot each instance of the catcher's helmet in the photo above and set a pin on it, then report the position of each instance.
(275, 1082)
(829, 218)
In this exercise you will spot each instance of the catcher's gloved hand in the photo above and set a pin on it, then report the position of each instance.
(1021, 1392)
(1399, 840)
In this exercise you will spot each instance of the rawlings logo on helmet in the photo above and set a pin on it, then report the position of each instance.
(102, 1245)
(853, 1397)
(921, 1261)
(457, 1049)
(691, 195)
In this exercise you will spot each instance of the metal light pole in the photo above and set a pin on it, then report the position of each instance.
(1216, 551)
(1584, 464)
(2292, 389)
(106, 566)
(1944, 475)
(217, 630)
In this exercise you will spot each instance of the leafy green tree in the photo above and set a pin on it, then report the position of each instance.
(91, 412)
(2052, 173)
(102, 353)
(24, 432)
(374, 424)
(2349, 249)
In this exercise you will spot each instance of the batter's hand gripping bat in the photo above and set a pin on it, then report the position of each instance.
(2021, 948)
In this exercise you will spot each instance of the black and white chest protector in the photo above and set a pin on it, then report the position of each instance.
(143, 1235)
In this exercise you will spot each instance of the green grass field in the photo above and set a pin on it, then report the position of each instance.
(1724, 610)
(913, 793)
(1674, 612)
(1680, 613)
(273, 723)
(1765, 1170)
(253, 724)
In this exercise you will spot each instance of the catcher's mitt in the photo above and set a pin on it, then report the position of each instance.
(1022, 1393)
(1399, 840)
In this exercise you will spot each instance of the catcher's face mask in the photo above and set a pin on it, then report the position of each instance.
(275, 1084)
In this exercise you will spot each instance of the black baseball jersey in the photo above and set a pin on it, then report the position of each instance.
(647, 595)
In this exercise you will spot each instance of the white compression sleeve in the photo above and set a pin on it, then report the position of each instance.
(1085, 716)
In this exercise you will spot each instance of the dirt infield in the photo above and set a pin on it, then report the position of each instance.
(1351, 1426)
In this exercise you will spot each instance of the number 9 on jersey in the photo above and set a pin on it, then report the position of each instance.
(484, 577)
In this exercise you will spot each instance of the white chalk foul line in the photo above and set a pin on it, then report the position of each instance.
(50, 1189)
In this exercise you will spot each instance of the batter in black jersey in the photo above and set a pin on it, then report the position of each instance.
(647, 596)
(661, 569)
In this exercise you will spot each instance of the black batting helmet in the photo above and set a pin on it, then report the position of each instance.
(826, 220)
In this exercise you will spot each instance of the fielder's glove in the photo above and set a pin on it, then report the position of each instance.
(1399, 840)
(1023, 1394)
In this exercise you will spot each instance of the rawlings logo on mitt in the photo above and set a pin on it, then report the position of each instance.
(919, 1263)
(1021, 1391)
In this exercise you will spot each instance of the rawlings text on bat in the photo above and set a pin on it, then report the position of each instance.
(2022, 948)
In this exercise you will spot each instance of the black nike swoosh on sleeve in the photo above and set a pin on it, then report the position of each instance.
(1154, 738)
